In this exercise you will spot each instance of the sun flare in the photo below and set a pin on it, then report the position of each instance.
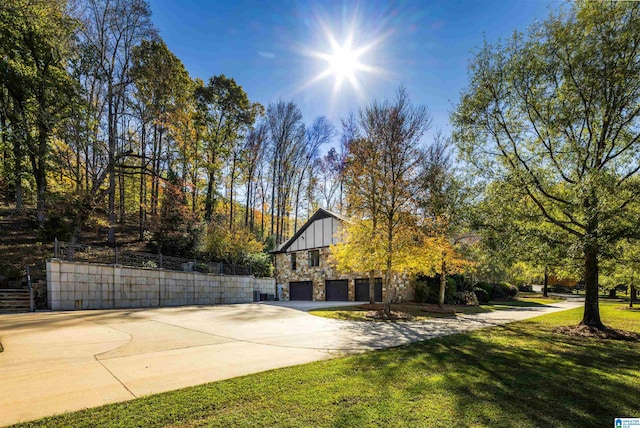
(344, 61)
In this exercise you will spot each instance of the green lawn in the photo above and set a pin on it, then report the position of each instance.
(520, 375)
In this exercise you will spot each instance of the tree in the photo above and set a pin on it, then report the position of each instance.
(381, 178)
(255, 147)
(442, 201)
(287, 140)
(110, 32)
(556, 112)
(233, 246)
(224, 111)
(330, 168)
(175, 229)
(512, 235)
(321, 132)
(162, 88)
(34, 54)
(623, 268)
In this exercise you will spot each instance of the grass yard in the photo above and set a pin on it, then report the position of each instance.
(520, 375)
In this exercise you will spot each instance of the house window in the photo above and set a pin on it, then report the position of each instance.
(314, 258)
(293, 261)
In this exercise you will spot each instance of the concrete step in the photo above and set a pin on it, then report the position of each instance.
(14, 300)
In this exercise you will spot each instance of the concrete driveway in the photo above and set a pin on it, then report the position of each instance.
(63, 361)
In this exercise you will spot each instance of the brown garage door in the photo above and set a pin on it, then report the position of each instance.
(362, 289)
(301, 290)
(337, 290)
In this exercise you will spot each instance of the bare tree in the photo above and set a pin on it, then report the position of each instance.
(286, 132)
(111, 29)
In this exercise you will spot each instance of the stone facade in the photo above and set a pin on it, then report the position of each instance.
(75, 286)
(402, 285)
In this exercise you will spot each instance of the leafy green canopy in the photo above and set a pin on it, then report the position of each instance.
(556, 113)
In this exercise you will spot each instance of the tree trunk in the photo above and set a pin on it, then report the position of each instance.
(111, 238)
(591, 315)
(232, 180)
(122, 195)
(372, 288)
(262, 213)
(41, 184)
(155, 183)
(633, 290)
(545, 286)
(143, 181)
(248, 199)
(208, 205)
(40, 173)
(443, 282)
(19, 196)
(387, 274)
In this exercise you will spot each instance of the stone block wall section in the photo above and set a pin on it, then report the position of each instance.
(76, 286)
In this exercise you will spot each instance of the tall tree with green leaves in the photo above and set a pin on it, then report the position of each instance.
(556, 111)
(225, 113)
(162, 86)
(512, 233)
(36, 47)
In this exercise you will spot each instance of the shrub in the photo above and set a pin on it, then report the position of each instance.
(150, 264)
(462, 283)
(421, 292)
(55, 226)
(560, 289)
(501, 290)
(486, 286)
(481, 295)
(261, 265)
(525, 287)
(513, 291)
(428, 290)
(466, 298)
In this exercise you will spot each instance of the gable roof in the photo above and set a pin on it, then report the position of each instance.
(318, 215)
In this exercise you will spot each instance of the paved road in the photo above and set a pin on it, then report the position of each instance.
(63, 361)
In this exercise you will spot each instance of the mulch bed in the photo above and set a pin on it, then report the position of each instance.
(597, 333)
(376, 311)
(393, 316)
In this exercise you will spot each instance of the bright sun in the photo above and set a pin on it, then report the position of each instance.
(343, 62)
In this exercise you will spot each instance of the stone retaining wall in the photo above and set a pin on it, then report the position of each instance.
(75, 286)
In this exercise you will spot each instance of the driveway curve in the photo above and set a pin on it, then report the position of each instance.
(63, 361)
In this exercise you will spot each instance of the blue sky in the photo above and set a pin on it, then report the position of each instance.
(268, 46)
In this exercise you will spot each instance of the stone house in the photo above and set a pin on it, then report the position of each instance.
(304, 270)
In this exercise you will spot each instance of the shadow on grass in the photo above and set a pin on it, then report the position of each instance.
(520, 378)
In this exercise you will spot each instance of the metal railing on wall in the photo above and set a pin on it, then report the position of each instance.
(113, 255)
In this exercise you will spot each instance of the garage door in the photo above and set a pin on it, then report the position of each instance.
(337, 289)
(301, 290)
(362, 289)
